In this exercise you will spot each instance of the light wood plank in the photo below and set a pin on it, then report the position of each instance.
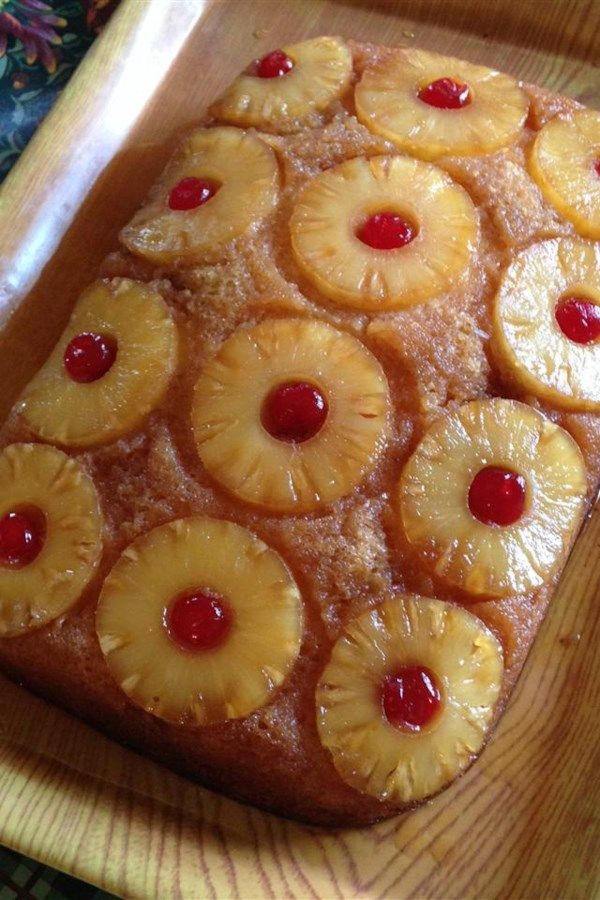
(524, 821)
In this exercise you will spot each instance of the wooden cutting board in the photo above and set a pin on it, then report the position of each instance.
(523, 822)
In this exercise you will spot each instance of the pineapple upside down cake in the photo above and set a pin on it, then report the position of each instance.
(287, 503)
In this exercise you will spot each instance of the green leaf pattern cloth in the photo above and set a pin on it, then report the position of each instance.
(41, 44)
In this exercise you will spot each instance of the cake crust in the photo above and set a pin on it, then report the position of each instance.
(344, 558)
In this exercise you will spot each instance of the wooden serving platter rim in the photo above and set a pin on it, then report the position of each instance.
(118, 817)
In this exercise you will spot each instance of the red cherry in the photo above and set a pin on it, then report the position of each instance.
(497, 496)
(597, 167)
(294, 411)
(578, 319)
(411, 698)
(386, 231)
(445, 93)
(198, 621)
(274, 65)
(22, 534)
(192, 192)
(89, 356)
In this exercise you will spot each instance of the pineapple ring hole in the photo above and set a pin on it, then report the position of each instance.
(294, 411)
(191, 192)
(22, 536)
(577, 314)
(445, 93)
(89, 356)
(386, 230)
(198, 620)
(411, 698)
(274, 65)
(497, 496)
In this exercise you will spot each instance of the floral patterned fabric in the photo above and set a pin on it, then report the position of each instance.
(24, 879)
(41, 43)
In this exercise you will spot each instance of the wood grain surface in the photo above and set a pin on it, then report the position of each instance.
(523, 822)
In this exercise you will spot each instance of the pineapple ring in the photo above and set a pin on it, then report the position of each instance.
(59, 409)
(321, 74)
(387, 102)
(262, 470)
(368, 752)
(332, 206)
(229, 681)
(527, 337)
(247, 173)
(41, 476)
(563, 162)
(493, 560)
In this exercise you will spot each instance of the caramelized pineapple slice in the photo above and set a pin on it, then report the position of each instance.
(220, 182)
(432, 105)
(383, 233)
(493, 496)
(290, 415)
(288, 84)
(408, 696)
(110, 368)
(565, 162)
(200, 621)
(50, 535)
(547, 323)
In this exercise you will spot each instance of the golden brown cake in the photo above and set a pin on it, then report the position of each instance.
(286, 505)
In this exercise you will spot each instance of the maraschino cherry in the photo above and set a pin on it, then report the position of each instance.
(22, 535)
(386, 231)
(198, 621)
(497, 496)
(89, 356)
(446, 93)
(273, 65)
(578, 319)
(294, 411)
(191, 192)
(411, 698)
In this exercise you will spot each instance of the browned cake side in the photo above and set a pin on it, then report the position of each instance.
(348, 556)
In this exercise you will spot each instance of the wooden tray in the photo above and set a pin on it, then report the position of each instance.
(521, 823)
